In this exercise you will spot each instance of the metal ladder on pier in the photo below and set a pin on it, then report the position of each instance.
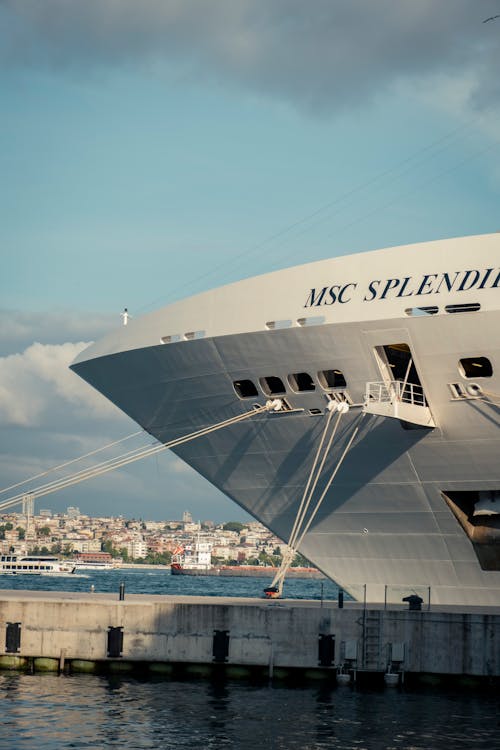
(372, 645)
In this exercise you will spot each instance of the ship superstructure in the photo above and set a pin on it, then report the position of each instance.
(407, 338)
(192, 558)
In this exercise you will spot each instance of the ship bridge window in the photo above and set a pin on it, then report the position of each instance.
(272, 386)
(331, 379)
(245, 389)
(301, 381)
(468, 307)
(476, 367)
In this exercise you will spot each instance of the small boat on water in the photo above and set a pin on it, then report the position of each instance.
(35, 565)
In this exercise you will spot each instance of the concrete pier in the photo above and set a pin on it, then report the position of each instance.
(90, 632)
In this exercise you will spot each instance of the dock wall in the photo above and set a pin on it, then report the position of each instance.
(98, 628)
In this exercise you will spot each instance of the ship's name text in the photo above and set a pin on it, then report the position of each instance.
(406, 286)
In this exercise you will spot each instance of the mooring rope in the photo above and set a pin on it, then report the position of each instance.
(307, 495)
(135, 455)
(490, 395)
(73, 461)
(299, 531)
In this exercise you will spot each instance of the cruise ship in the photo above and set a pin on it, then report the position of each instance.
(399, 350)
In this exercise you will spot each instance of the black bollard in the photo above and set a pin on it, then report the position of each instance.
(122, 591)
(341, 598)
(414, 602)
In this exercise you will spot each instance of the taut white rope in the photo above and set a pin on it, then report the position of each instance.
(135, 455)
(73, 461)
(279, 578)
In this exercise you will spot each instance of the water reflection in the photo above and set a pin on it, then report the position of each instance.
(84, 711)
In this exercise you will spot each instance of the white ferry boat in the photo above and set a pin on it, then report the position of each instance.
(405, 343)
(35, 565)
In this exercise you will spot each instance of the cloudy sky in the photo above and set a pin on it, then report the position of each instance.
(154, 149)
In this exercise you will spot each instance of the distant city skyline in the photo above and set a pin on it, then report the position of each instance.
(73, 533)
(150, 156)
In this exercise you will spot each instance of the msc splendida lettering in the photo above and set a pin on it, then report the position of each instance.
(408, 286)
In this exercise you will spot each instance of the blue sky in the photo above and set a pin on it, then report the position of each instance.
(149, 156)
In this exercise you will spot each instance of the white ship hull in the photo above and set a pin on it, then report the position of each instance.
(399, 515)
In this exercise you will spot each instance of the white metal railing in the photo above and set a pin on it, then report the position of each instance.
(395, 391)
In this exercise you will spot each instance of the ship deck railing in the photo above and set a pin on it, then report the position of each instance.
(399, 400)
(397, 390)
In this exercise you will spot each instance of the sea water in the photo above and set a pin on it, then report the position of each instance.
(50, 712)
(159, 581)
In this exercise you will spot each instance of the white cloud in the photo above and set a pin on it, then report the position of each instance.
(36, 386)
(19, 329)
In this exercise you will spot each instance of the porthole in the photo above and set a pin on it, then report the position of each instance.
(245, 389)
(476, 367)
(331, 379)
(272, 385)
(301, 381)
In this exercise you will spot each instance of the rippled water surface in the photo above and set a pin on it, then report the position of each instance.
(151, 581)
(48, 712)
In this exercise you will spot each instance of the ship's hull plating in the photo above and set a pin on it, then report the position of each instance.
(386, 527)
